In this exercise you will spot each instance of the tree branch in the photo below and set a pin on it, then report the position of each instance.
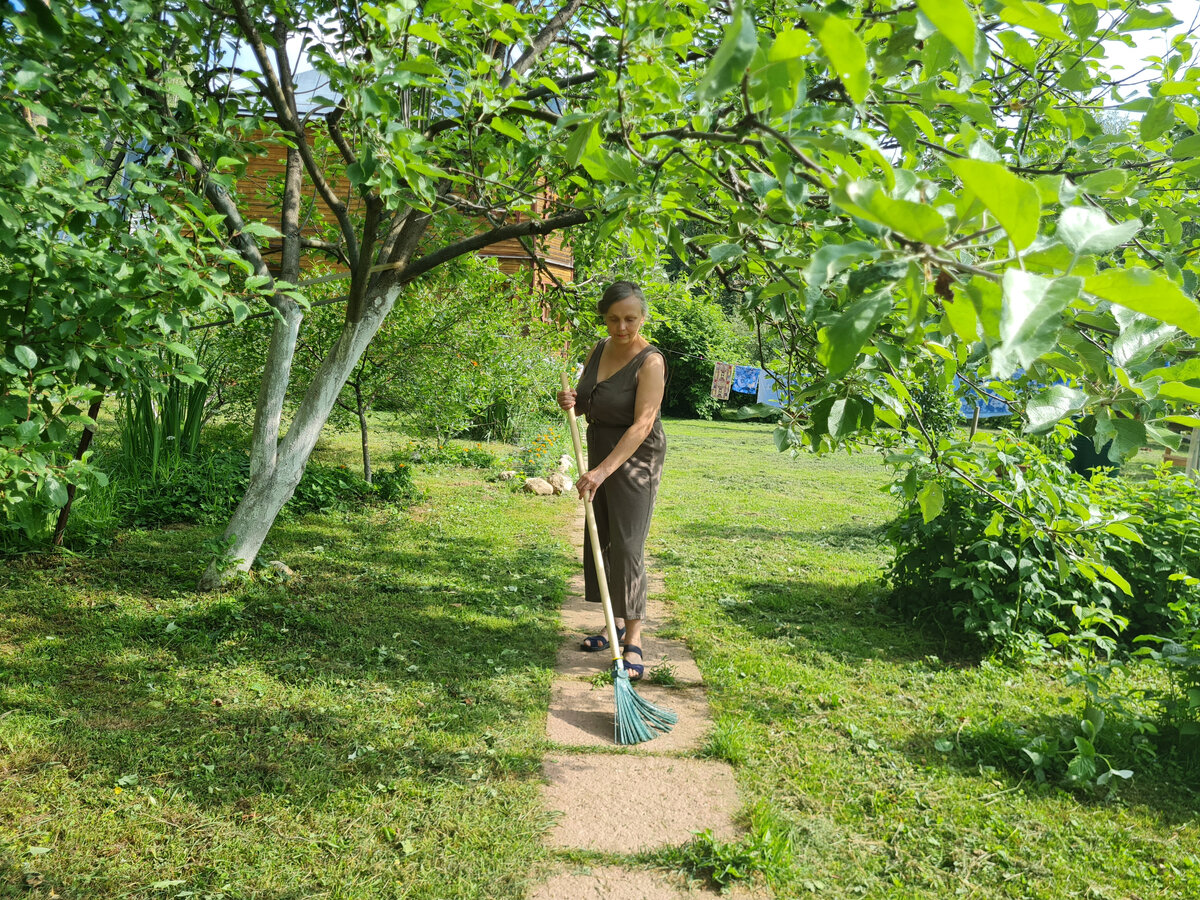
(541, 42)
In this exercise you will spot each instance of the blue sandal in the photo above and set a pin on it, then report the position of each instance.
(635, 670)
(595, 642)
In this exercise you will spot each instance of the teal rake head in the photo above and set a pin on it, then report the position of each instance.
(637, 719)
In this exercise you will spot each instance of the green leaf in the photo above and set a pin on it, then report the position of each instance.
(954, 20)
(1013, 201)
(1086, 230)
(1188, 148)
(239, 309)
(916, 221)
(585, 140)
(1158, 119)
(1142, 19)
(1118, 579)
(1124, 531)
(732, 58)
(25, 356)
(833, 258)
(845, 51)
(1030, 318)
(1140, 336)
(963, 319)
(1174, 390)
(932, 501)
(1051, 406)
(508, 129)
(262, 230)
(1084, 18)
(1035, 17)
(180, 349)
(724, 252)
(56, 492)
(1148, 292)
(1188, 370)
(841, 342)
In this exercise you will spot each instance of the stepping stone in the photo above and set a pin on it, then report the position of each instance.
(582, 716)
(675, 799)
(576, 663)
(619, 883)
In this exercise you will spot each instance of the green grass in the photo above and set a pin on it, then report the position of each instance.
(372, 729)
(833, 710)
(375, 728)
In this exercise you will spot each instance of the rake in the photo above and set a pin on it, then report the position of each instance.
(637, 719)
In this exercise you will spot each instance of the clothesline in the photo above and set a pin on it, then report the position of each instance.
(746, 380)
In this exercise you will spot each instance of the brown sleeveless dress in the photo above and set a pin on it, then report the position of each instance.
(625, 501)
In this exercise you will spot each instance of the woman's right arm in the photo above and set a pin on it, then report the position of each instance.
(566, 399)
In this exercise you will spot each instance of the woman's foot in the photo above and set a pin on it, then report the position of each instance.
(634, 666)
(595, 642)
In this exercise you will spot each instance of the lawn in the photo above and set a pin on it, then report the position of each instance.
(895, 759)
(374, 727)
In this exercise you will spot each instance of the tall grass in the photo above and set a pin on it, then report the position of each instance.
(159, 423)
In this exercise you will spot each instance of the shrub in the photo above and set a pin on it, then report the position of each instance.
(1019, 588)
(203, 490)
(326, 488)
(694, 334)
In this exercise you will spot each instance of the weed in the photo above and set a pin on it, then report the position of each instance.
(765, 852)
(662, 673)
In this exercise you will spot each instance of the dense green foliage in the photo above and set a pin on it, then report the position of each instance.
(1013, 590)
(880, 186)
(693, 333)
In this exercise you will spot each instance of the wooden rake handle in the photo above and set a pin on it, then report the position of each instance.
(610, 621)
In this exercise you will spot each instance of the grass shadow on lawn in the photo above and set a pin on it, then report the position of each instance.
(850, 623)
(850, 536)
(359, 720)
(994, 749)
(126, 687)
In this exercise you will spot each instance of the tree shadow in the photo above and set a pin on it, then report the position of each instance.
(282, 688)
(1033, 756)
(850, 536)
(851, 622)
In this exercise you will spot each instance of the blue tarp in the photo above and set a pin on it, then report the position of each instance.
(989, 406)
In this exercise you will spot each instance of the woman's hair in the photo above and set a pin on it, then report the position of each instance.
(618, 291)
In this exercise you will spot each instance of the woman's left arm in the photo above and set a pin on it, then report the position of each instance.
(652, 382)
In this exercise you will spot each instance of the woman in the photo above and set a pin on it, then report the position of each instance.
(621, 392)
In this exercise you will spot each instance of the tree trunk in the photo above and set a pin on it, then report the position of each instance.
(362, 430)
(272, 485)
(85, 441)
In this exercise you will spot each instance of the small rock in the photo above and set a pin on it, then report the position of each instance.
(560, 482)
(507, 475)
(539, 486)
(279, 567)
(564, 464)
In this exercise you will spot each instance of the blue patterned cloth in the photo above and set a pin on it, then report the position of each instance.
(745, 379)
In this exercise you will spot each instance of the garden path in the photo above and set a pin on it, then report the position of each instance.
(624, 800)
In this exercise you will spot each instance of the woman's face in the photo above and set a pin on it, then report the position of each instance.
(624, 319)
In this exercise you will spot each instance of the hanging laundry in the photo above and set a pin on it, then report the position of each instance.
(770, 391)
(745, 379)
(722, 380)
(990, 405)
